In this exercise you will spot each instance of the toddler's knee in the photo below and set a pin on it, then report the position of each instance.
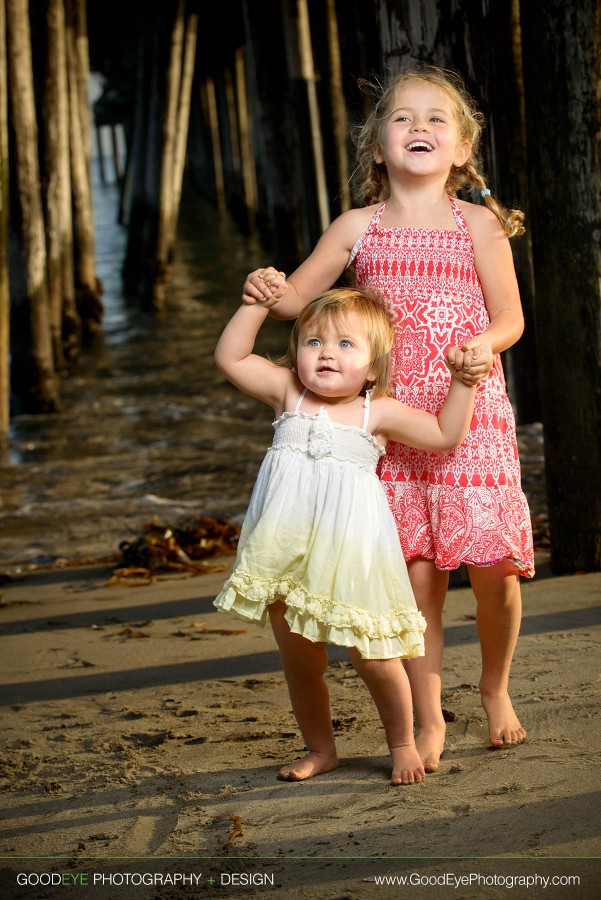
(305, 667)
(374, 670)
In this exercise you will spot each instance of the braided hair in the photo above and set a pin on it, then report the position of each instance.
(372, 178)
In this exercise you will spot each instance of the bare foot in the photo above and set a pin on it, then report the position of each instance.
(430, 744)
(407, 767)
(312, 764)
(503, 725)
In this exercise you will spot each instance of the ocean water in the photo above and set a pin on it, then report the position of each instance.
(149, 427)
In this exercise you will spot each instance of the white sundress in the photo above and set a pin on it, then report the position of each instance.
(319, 535)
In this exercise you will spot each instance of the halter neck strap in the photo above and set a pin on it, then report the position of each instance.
(300, 400)
(366, 403)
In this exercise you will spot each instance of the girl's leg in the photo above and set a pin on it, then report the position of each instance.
(388, 684)
(425, 672)
(498, 617)
(304, 666)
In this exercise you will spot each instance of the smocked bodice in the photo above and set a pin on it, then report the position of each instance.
(321, 438)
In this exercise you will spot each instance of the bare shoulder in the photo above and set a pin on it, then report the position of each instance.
(482, 223)
(382, 410)
(493, 257)
(350, 225)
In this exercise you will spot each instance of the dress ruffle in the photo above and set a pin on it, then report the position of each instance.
(319, 618)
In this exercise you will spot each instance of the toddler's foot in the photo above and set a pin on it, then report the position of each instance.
(503, 725)
(310, 765)
(430, 744)
(407, 767)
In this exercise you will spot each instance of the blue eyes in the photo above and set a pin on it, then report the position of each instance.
(315, 342)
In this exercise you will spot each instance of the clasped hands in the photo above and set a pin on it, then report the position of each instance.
(470, 362)
(265, 285)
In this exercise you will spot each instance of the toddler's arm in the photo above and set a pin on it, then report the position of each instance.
(234, 357)
(416, 428)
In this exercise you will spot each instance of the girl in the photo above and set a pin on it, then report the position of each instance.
(446, 267)
(318, 551)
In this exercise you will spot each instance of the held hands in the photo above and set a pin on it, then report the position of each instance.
(265, 285)
(471, 362)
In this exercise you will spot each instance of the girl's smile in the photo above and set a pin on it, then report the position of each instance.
(421, 134)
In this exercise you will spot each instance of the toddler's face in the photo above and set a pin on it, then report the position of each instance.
(334, 357)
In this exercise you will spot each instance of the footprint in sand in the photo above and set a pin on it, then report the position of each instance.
(149, 831)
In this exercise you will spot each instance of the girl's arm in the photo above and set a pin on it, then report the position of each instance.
(251, 373)
(321, 269)
(398, 422)
(496, 271)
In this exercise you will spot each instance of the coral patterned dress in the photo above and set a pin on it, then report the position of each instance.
(465, 505)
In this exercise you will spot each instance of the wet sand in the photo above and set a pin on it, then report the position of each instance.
(142, 729)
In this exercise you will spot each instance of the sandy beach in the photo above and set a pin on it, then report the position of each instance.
(142, 732)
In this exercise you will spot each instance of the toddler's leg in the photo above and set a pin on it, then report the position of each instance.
(498, 617)
(304, 666)
(425, 672)
(388, 684)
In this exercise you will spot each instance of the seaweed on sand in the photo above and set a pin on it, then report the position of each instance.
(183, 548)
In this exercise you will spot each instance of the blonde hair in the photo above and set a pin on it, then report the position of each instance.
(377, 320)
(372, 177)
